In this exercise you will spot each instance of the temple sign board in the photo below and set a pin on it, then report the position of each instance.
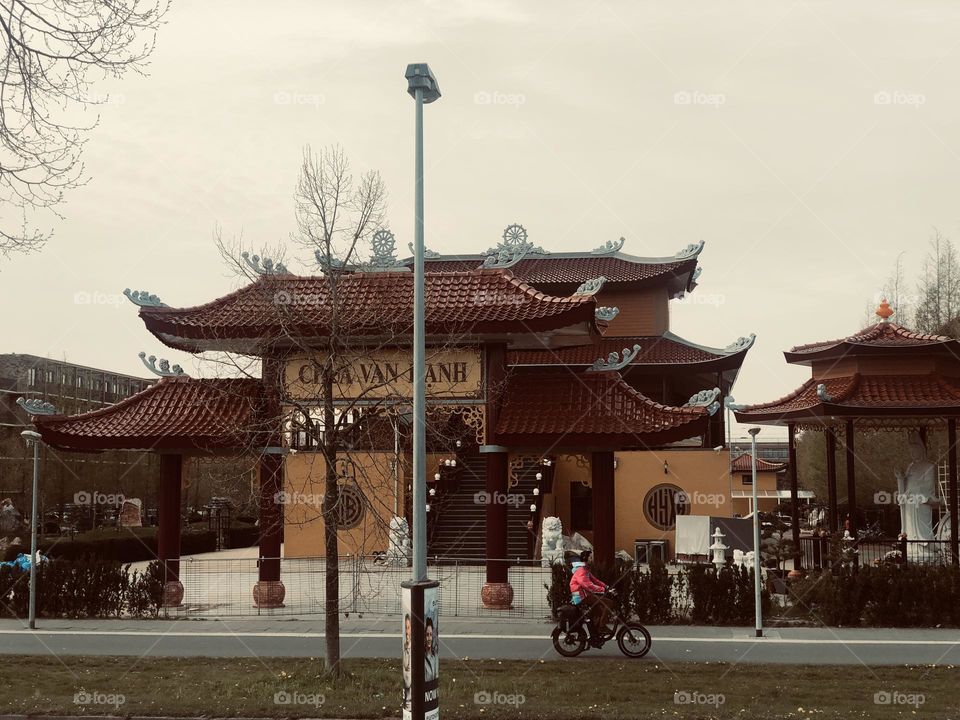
(387, 373)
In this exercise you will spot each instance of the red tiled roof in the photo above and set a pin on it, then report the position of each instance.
(278, 306)
(665, 349)
(175, 413)
(742, 463)
(560, 407)
(862, 396)
(880, 336)
(548, 269)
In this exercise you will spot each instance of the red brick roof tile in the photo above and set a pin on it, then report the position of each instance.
(175, 413)
(667, 349)
(568, 408)
(861, 396)
(379, 304)
(742, 463)
(883, 335)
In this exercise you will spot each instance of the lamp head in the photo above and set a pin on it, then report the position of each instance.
(419, 77)
(30, 436)
(754, 431)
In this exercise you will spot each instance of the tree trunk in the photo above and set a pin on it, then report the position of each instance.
(331, 498)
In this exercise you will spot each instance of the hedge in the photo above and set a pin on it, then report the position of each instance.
(88, 587)
(121, 549)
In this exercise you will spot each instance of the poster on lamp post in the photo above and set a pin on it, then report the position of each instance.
(421, 651)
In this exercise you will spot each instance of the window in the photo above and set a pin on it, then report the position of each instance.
(49, 376)
(746, 479)
(32, 377)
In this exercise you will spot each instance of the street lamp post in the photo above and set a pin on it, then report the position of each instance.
(33, 438)
(420, 594)
(756, 533)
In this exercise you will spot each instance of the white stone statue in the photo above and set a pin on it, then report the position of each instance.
(398, 552)
(551, 542)
(917, 493)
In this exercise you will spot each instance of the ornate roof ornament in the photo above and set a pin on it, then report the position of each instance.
(823, 394)
(704, 398)
(324, 264)
(512, 249)
(36, 406)
(142, 298)
(741, 343)
(690, 251)
(606, 314)
(427, 252)
(696, 273)
(731, 405)
(263, 266)
(609, 247)
(384, 246)
(590, 287)
(164, 369)
(884, 311)
(615, 360)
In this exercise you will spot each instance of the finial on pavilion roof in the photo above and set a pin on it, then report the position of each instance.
(884, 311)
(263, 266)
(615, 360)
(142, 298)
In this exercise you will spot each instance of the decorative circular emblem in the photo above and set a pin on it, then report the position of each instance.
(350, 506)
(515, 235)
(383, 242)
(663, 503)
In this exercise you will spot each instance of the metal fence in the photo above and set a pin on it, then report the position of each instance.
(818, 553)
(224, 587)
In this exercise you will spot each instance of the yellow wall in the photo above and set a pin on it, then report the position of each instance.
(702, 474)
(765, 481)
(303, 523)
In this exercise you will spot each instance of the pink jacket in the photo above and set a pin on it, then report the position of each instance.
(583, 582)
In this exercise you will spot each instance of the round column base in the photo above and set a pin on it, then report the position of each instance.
(268, 594)
(172, 594)
(497, 595)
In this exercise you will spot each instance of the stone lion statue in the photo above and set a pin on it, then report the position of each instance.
(551, 547)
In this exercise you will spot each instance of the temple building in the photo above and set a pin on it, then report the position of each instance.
(555, 388)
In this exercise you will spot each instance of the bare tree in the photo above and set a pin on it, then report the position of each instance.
(54, 52)
(939, 289)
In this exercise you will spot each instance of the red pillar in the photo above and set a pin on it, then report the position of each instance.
(168, 536)
(497, 593)
(269, 590)
(794, 500)
(833, 522)
(851, 478)
(952, 485)
(604, 506)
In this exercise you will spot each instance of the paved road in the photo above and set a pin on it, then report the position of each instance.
(476, 639)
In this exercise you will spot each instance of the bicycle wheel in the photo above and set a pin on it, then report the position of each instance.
(634, 640)
(569, 644)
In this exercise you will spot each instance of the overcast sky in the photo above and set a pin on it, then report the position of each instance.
(808, 143)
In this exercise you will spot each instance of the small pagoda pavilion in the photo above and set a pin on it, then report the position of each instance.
(884, 378)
